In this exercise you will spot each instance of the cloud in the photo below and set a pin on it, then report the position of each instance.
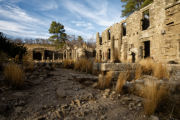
(20, 24)
(96, 12)
(84, 25)
(48, 5)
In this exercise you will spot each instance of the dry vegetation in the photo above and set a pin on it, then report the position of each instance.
(154, 95)
(84, 65)
(68, 63)
(14, 75)
(122, 78)
(105, 81)
(28, 63)
(149, 67)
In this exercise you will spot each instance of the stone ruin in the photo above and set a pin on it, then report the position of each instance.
(43, 53)
(153, 31)
(75, 52)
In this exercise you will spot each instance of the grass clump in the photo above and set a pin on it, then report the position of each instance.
(28, 63)
(154, 95)
(122, 78)
(84, 65)
(149, 67)
(160, 71)
(105, 81)
(68, 63)
(14, 75)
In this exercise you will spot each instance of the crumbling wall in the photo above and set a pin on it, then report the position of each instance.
(139, 41)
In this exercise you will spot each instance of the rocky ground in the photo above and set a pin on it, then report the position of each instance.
(66, 94)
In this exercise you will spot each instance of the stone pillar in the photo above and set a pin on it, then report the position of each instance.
(63, 55)
(42, 56)
(53, 57)
(66, 54)
(112, 49)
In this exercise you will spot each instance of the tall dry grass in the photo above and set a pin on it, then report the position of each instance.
(68, 63)
(154, 95)
(84, 65)
(149, 67)
(28, 63)
(105, 81)
(14, 75)
(122, 78)
(160, 71)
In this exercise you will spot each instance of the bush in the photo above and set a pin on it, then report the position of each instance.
(154, 95)
(10, 48)
(14, 75)
(122, 78)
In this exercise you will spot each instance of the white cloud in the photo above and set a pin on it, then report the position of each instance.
(48, 5)
(97, 12)
(15, 29)
(84, 25)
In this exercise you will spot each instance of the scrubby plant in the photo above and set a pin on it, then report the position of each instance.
(14, 75)
(84, 65)
(105, 81)
(68, 63)
(160, 71)
(149, 67)
(28, 63)
(122, 78)
(154, 94)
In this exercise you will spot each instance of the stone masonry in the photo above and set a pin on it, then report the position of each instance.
(153, 31)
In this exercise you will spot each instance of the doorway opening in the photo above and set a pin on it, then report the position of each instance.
(37, 55)
(146, 49)
(133, 57)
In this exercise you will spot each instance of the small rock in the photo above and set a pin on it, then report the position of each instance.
(139, 104)
(152, 117)
(78, 102)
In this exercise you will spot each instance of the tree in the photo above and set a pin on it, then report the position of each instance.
(132, 5)
(80, 40)
(59, 36)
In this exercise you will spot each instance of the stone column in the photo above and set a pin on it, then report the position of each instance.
(66, 54)
(53, 57)
(63, 55)
(42, 56)
(112, 49)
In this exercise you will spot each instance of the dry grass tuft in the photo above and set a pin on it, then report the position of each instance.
(122, 78)
(153, 94)
(104, 81)
(160, 71)
(14, 75)
(149, 67)
(28, 63)
(138, 72)
(68, 63)
(84, 65)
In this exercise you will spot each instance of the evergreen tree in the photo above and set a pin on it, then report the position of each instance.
(132, 5)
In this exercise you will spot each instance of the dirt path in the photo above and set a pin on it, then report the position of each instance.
(57, 95)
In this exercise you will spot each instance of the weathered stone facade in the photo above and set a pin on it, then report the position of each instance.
(153, 31)
(75, 52)
(43, 53)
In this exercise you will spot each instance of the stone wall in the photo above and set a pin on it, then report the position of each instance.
(159, 40)
(39, 52)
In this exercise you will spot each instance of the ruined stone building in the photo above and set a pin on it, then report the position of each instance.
(43, 53)
(75, 52)
(153, 31)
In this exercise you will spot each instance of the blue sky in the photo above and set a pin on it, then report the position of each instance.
(32, 18)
